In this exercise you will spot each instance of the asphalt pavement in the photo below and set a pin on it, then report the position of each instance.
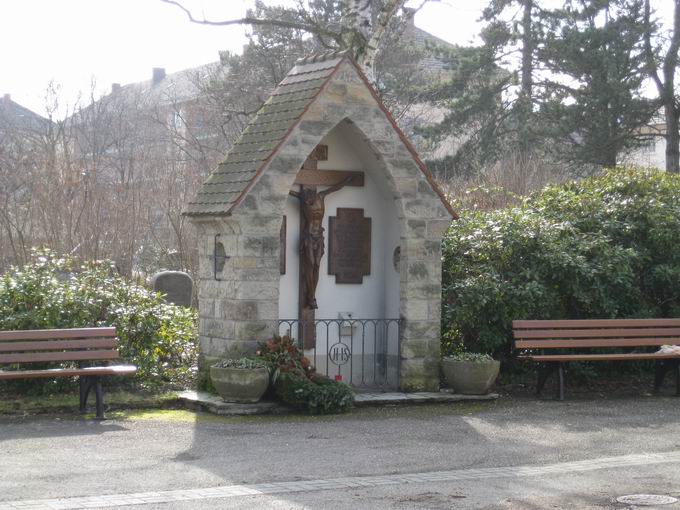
(572, 454)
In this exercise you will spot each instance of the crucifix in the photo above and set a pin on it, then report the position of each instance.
(312, 242)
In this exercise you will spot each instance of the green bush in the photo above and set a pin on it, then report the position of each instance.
(51, 292)
(604, 247)
(295, 382)
(318, 395)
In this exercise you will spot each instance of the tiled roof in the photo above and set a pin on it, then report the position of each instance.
(265, 132)
(279, 115)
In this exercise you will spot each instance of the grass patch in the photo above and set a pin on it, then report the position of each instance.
(70, 402)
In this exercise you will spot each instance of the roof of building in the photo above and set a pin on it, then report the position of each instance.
(267, 131)
(17, 116)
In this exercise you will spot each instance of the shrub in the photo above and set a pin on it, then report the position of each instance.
(296, 383)
(603, 247)
(316, 395)
(52, 292)
(282, 355)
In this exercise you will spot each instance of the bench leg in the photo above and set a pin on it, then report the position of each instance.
(659, 373)
(544, 372)
(560, 373)
(99, 393)
(86, 384)
(677, 378)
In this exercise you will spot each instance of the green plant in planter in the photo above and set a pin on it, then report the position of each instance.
(474, 357)
(296, 382)
(245, 363)
(470, 373)
(240, 380)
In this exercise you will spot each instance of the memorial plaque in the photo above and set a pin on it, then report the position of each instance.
(349, 246)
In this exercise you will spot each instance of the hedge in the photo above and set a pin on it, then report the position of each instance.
(55, 292)
(603, 247)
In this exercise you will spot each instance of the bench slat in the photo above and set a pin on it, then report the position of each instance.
(598, 333)
(38, 357)
(74, 372)
(52, 345)
(595, 323)
(57, 334)
(594, 342)
(600, 357)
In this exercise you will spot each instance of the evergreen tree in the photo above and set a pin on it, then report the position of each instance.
(592, 101)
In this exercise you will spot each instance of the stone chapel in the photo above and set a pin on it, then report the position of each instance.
(324, 224)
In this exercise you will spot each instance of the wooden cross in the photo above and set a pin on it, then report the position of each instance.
(308, 178)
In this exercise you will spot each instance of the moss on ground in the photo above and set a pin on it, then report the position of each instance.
(69, 403)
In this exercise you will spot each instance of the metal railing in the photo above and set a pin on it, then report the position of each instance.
(360, 352)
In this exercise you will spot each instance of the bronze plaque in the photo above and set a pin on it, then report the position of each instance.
(349, 246)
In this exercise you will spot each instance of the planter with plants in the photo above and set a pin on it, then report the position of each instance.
(470, 373)
(296, 383)
(240, 380)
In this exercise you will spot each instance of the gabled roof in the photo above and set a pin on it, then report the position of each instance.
(230, 182)
(14, 115)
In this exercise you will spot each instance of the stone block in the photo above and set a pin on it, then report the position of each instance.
(214, 289)
(259, 274)
(413, 349)
(420, 331)
(415, 228)
(257, 331)
(216, 328)
(268, 290)
(416, 375)
(223, 349)
(437, 228)
(245, 262)
(413, 309)
(434, 309)
(262, 224)
(206, 308)
(250, 246)
(238, 310)
(406, 186)
(268, 310)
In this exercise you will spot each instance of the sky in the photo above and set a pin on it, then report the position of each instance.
(74, 43)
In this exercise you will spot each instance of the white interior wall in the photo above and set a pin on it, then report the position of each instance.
(378, 295)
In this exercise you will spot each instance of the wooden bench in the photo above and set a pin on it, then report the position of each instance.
(562, 341)
(82, 347)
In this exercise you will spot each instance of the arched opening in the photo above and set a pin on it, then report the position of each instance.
(356, 324)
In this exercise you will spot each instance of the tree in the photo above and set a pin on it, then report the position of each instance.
(593, 103)
(359, 26)
(661, 68)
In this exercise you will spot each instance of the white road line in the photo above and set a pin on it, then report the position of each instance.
(230, 491)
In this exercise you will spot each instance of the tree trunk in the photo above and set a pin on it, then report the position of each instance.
(524, 102)
(672, 116)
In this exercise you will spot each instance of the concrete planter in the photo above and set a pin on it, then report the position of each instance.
(470, 377)
(244, 385)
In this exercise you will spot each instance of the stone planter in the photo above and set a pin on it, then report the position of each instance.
(244, 385)
(470, 377)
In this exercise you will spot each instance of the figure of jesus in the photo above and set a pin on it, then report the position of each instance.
(312, 244)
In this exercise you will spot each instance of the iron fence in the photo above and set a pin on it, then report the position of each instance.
(360, 352)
